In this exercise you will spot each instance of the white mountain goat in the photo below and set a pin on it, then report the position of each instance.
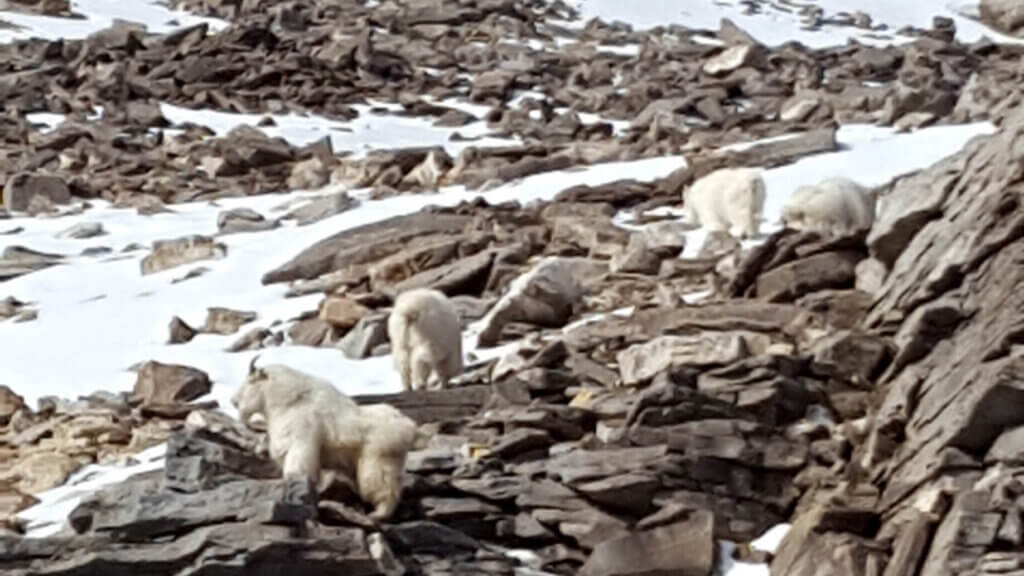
(313, 426)
(836, 206)
(726, 199)
(426, 337)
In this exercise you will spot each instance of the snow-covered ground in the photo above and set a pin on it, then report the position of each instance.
(98, 315)
(100, 14)
(367, 132)
(774, 26)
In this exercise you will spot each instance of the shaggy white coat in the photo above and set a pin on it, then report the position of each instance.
(426, 338)
(835, 206)
(313, 426)
(727, 200)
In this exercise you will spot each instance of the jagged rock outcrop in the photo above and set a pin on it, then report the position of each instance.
(942, 453)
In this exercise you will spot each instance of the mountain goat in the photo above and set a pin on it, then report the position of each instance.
(726, 199)
(837, 206)
(426, 337)
(312, 426)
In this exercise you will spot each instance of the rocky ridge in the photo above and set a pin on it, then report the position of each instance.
(668, 90)
(861, 387)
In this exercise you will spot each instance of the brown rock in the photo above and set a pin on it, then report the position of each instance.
(225, 320)
(368, 333)
(42, 471)
(180, 332)
(308, 174)
(851, 356)
(636, 258)
(13, 501)
(342, 313)
(311, 332)
(629, 493)
(685, 549)
(732, 58)
(9, 404)
(168, 254)
(620, 193)
(1003, 15)
(419, 256)
(23, 187)
(434, 405)
(641, 362)
(364, 244)
(159, 383)
(463, 276)
(829, 270)
(599, 237)
(255, 339)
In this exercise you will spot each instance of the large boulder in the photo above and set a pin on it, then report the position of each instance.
(364, 244)
(941, 440)
(544, 296)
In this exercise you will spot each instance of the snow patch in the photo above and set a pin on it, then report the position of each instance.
(100, 14)
(775, 27)
(370, 131)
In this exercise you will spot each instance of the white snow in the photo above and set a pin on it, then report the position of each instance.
(774, 27)
(103, 314)
(772, 539)
(367, 132)
(100, 14)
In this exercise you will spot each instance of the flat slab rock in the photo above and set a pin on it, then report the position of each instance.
(685, 548)
(221, 549)
(364, 244)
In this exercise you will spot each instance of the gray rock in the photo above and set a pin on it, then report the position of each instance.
(180, 331)
(363, 244)
(308, 174)
(635, 258)
(684, 549)
(369, 332)
(219, 548)
(732, 58)
(641, 362)
(1003, 15)
(545, 296)
(311, 332)
(255, 339)
(243, 220)
(428, 537)
(226, 321)
(320, 208)
(168, 254)
(628, 493)
(828, 270)
(1008, 448)
(23, 187)
(83, 231)
(17, 261)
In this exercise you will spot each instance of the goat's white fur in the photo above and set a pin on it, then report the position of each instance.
(836, 206)
(313, 426)
(725, 200)
(426, 337)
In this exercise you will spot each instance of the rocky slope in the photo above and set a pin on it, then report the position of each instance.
(862, 388)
